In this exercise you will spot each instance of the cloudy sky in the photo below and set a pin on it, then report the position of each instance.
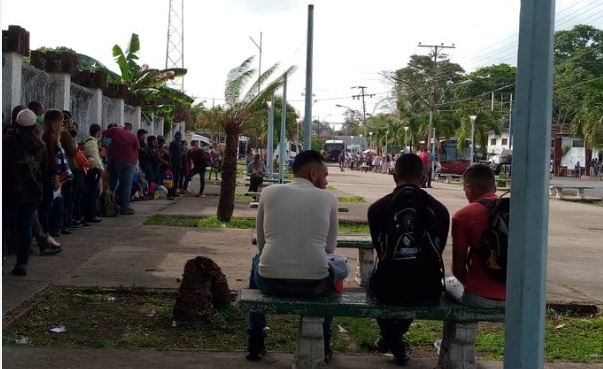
(354, 40)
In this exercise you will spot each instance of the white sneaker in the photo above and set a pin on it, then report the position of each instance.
(52, 241)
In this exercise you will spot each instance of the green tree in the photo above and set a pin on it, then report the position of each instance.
(241, 103)
(589, 122)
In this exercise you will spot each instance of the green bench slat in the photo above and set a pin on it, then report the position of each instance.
(359, 305)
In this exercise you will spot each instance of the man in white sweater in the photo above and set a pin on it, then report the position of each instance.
(296, 227)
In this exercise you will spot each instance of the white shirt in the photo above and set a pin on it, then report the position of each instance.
(296, 225)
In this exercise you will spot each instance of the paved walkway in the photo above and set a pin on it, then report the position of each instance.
(122, 252)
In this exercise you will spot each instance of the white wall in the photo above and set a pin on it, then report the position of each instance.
(498, 146)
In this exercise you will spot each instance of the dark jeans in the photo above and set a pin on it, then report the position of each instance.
(57, 214)
(196, 170)
(72, 197)
(91, 194)
(122, 174)
(149, 172)
(392, 330)
(176, 173)
(45, 206)
(23, 215)
(275, 287)
(255, 182)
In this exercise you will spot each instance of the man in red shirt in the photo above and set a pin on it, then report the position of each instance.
(424, 156)
(199, 158)
(123, 156)
(468, 224)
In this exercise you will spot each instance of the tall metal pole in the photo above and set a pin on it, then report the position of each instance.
(309, 59)
(511, 122)
(472, 153)
(270, 138)
(260, 61)
(282, 140)
(526, 278)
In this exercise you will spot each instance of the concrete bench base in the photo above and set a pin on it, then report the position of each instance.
(449, 177)
(458, 336)
(557, 191)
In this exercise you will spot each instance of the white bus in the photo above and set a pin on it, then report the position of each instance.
(333, 148)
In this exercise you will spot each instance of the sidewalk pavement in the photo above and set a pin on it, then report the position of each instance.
(76, 358)
(122, 252)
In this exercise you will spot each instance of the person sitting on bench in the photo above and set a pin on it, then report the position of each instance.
(256, 170)
(296, 228)
(409, 229)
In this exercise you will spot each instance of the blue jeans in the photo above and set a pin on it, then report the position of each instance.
(24, 216)
(280, 288)
(122, 174)
(196, 170)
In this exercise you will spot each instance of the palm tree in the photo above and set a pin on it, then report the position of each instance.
(589, 123)
(239, 108)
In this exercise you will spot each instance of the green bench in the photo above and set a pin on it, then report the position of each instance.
(366, 253)
(457, 350)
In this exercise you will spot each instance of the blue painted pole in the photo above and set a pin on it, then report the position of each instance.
(282, 140)
(270, 138)
(309, 59)
(526, 279)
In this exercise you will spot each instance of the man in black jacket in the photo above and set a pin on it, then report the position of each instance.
(409, 229)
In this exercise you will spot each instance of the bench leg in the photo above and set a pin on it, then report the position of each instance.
(309, 353)
(559, 194)
(458, 346)
(366, 263)
(552, 191)
(580, 194)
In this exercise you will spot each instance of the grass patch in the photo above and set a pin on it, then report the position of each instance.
(353, 227)
(137, 318)
(171, 221)
(239, 223)
(331, 188)
(354, 199)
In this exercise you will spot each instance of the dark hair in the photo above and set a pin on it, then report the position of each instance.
(306, 157)
(36, 107)
(152, 142)
(66, 114)
(111, 125)
(94, 129)
(481, 177)
(409, 166)
(141, 132)
(16, 110)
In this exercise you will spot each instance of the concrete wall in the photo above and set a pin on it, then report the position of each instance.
(22, 83)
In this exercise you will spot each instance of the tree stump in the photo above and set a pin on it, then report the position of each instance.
(204, 288)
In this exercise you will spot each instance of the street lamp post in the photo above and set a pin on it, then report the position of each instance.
(472, 117)
(406, 140)
(386, 133)
(370, 140)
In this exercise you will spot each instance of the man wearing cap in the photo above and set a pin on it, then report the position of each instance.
(123, 156)
(23, 167)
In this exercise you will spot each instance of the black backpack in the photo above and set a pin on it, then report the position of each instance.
(492, 252)
(410, 268)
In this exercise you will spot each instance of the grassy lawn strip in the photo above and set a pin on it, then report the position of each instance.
(241, 223)
(354, 199)
(134, 319)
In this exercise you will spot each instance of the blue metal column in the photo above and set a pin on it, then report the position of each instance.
(526, 280)
(282, 140)
(270, 138)
(309, 59)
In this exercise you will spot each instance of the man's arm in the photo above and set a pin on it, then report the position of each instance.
(259, 225)
(333, 227)
(460, 246)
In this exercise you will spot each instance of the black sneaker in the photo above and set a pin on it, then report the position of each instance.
(74, 226)
(85, 225)
(381, 346)
(402, 352)
(255, 349)
(65, 231)
(19, 272)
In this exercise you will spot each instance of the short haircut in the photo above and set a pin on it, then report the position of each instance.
(409, 166)
(66, 115)
(111, 125)
(481, 177)
(306, 157)
(36, 107)
(94, 129)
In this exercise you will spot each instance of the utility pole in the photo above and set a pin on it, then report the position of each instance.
(432, 101)
(361, 96)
